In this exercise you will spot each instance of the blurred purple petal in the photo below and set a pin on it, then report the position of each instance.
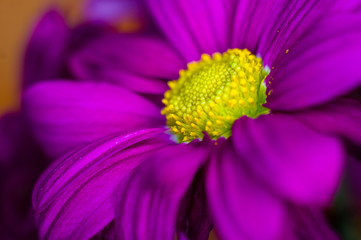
(192, 27)
(128, 80)
(323, 65)
(51, 44)
(86, 33)
(353, 178)
(149, 200)
(148, 57)
(107, 233)
(308, 223)
(353, 6)
(21, 162)
(73, 198)
(64, 115)
(44, 56)
(341, 117)
(241, 207)
(194, 221)
(299, 163)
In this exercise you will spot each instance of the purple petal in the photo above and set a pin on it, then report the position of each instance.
(275, 26)
(193, 27)
(120, 77)
(353, 6)
(241, 207)
(323, 65)
(287, 21)
(249, 22)
(308, 223)
(44, 56)
(117, 57)
(353, 179)
(341, 117)
(150, 198)
(73, 198)
(86, 33)
(64, 115)
(108, 233)
(21, 163)
(299, 163)
(194, 222)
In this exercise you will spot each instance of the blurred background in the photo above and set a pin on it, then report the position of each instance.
(17, 18)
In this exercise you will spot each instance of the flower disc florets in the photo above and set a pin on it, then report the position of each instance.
(214, 92)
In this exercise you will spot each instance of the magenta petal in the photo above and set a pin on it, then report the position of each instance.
(194, 221)
(149, 200)
(112, 56)
(249, 23)
(193, 27)
(308, 223)
(44, 56)
(107, 233)
(21, 163)
(287, 21)
(73, 198)
(353, 6)
(353, 179)
(341, 117)
(296, 161)
(64, 115)
(270, 27)
(134, 82)
(241, 207)
(323, 65)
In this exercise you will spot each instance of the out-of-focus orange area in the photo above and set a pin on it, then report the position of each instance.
(17, 18)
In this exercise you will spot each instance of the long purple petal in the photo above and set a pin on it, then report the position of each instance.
(269, 28)
(44, 56)
(341, 117)
(64, 115)
(287, 21)
(148, 59)
(194, 221)
(193, 27)
(21, 163)
(149, 200)
(323, 65)
(240, 206)
(294, 160)
(352, 6)
(108, 233)
(73, 198)
(249, 23)
(308, 223)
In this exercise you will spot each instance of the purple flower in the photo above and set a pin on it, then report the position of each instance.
(267, 180)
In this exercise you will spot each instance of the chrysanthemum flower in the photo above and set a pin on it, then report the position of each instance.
(257, 121)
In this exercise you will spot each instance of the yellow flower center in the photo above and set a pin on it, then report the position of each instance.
(214, 92)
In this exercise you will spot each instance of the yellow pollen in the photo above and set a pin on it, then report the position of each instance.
(214, 92)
